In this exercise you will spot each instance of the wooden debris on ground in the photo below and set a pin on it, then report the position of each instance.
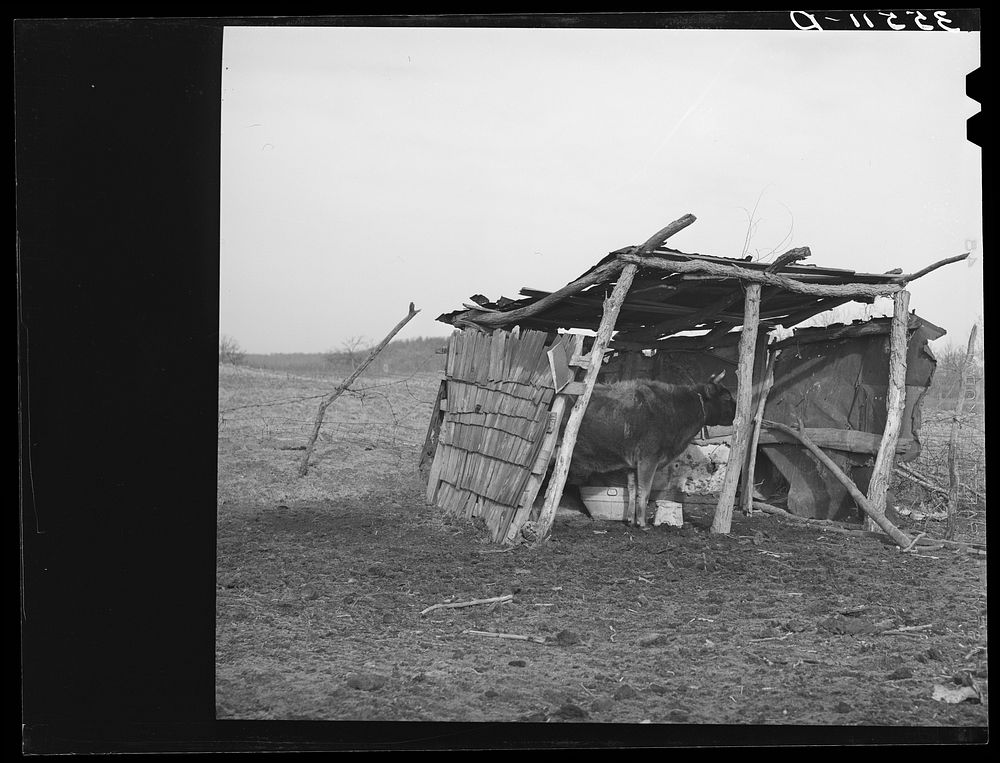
(512, 636)
(471, 603)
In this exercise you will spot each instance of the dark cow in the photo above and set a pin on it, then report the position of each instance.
(643, 425)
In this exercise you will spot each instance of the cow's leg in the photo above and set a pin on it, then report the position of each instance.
(631, 508)
(645, 471)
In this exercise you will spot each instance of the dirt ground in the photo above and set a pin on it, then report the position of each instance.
(322, 582)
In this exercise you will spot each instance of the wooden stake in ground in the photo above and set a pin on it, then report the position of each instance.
(953, 482)
(722, 520)
(898, 536)
(896, 398)
(304, 466)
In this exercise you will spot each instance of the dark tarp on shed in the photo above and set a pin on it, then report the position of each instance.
(837, 377)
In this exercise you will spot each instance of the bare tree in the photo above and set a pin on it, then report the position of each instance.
(230, 351)
(355, 348)
(753, 221)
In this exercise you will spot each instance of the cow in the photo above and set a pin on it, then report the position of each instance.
(642, 425)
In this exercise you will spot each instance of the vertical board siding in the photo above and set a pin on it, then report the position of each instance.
(499, 392)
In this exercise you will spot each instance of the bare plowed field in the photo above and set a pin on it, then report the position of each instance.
(322, 582)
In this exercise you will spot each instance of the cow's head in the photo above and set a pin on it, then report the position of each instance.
(720, 408)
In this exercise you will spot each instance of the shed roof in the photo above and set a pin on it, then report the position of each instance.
(664, 301)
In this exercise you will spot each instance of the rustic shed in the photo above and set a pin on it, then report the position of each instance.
(647, 298)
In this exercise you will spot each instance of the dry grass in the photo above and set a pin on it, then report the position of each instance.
(368, 434)
(932, 463)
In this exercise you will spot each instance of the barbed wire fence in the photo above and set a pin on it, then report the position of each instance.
(271, 409)
(931, 468)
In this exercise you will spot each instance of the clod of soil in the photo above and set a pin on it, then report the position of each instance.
(602, 704)
(366, 681)
(625, 692)
(308, 593)
(963, 678)
(567, 638)
(846, 625)
(570, 712)
(655, 639)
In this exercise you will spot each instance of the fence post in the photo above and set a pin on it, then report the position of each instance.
(953, 482)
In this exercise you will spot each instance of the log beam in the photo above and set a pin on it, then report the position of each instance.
(490, 319)
(715, 309)
(786, 282)
(602, 274)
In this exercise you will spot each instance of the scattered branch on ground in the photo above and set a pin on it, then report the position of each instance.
(922, 542)
(514, 636)
(473, 602)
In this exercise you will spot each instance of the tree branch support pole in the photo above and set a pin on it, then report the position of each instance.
(953, 482)
(898, 536)
(896, 399)
(744, 403)
(612, 306)
(321, 411)
(766, 384)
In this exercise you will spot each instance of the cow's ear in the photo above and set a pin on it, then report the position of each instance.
(718, 377)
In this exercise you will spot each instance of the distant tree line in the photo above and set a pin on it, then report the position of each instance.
(230, 351)
(399, 358)
(948, 375)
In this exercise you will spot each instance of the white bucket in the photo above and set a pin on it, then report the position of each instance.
(669, 513)
(604, 502)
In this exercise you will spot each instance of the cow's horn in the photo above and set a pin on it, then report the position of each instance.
(718, 377)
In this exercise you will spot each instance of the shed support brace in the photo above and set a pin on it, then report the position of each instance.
(746, 501)
(557, 482)
(895, 399)
(744, 413)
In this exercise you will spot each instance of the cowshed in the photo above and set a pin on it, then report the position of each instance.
(517, 368)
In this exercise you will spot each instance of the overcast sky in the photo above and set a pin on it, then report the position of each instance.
(365, 168)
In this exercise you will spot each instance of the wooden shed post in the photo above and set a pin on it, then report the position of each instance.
(557, 481)
(744, 402)
(746, 502)
(895, 399)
